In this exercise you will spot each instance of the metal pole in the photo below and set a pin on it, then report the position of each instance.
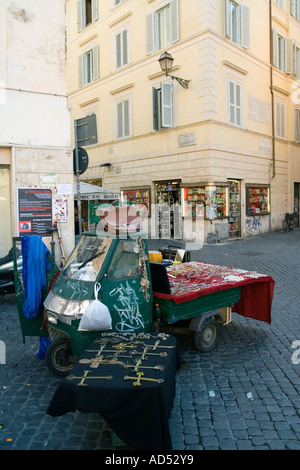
(77, 177)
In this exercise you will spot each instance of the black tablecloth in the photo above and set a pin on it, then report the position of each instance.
(138, 414)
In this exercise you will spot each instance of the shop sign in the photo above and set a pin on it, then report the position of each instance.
(102, 196)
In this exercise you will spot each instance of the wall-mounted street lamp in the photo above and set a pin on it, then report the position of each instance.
(166, 63)
(105, 165)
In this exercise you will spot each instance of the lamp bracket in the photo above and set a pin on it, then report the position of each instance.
(184, 83)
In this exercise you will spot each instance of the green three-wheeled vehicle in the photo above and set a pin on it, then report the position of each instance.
(119, 265)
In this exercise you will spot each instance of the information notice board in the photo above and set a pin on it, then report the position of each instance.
(35, 211)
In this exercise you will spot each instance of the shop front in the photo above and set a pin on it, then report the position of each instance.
(168, 217)
(205, 210)
(183, 211)
(161, 215)
(257, 209)
(201, 211)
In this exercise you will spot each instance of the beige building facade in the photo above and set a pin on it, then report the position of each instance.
(221, 157)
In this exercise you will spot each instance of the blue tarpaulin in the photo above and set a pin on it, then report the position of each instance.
(35, 266)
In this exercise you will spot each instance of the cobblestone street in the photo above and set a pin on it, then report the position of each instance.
(243, 395)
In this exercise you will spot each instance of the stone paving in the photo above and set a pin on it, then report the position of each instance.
(243, 395)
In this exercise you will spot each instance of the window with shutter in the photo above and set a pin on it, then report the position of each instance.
(163, 106)
(234, 103)
(122, 48)
(123, 123)
(88, 66)
(284, 53)
(237, 23)
(87, 12)
(162, 27)
(295, 9)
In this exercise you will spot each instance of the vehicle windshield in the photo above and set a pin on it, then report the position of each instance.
(87, 258)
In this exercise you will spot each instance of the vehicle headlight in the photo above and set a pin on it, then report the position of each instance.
(52, 318)
(76, 308)
(60, 306)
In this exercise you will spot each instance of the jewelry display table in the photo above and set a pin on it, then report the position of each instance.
(130, 380)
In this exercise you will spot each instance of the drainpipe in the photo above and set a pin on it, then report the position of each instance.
(272, 92)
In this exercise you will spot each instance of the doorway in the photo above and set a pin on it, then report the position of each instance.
(168, 209)
(234, 208)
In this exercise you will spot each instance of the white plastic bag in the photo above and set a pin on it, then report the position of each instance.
(97, 316)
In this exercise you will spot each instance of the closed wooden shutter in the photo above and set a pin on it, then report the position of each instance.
(118, 50)
(280, 119)
(275, 47)
(174, 21)
(126, 118)
(123, 124)
(234, 103)
(167, 105)
(80, 70)
(245, 26)
(95, 64)
(94, 10)
(121, 48)
(150, 19)
(81, 20)
(120, 120)
(289, 56)
(228, 31)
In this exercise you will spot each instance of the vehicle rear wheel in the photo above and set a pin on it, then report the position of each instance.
(59, 357)
(206, 339)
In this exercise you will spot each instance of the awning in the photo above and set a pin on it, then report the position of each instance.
(90, 192)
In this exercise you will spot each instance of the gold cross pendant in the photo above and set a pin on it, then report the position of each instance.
(85, 377)
(140, 377)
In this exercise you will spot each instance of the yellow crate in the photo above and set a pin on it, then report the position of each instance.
(155, 256)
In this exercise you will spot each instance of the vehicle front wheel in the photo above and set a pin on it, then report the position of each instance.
(206, 339)
(59, 357)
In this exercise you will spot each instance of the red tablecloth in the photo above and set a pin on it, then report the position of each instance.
(191, 280)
